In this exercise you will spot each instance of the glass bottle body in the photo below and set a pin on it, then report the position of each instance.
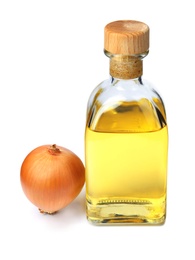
(126, 146)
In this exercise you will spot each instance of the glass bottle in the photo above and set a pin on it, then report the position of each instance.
(126, 137)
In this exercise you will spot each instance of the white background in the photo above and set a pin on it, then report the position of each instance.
(51, 58)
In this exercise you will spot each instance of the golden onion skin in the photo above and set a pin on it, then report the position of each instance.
(52, 177)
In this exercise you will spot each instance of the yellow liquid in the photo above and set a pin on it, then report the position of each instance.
(126, 176)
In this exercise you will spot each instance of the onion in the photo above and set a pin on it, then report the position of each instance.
(52, 177)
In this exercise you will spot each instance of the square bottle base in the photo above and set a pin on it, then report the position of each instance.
(134, 213)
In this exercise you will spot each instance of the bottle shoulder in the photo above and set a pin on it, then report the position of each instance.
(126, 89)
(125, 105)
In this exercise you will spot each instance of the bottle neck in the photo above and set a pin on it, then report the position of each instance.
(126, 66)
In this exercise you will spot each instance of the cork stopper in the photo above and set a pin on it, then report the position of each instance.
(126, 42)
(126, 37)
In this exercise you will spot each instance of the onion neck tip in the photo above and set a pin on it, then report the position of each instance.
(54, 150)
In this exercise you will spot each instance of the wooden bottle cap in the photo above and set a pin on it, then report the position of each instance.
(126, 37)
